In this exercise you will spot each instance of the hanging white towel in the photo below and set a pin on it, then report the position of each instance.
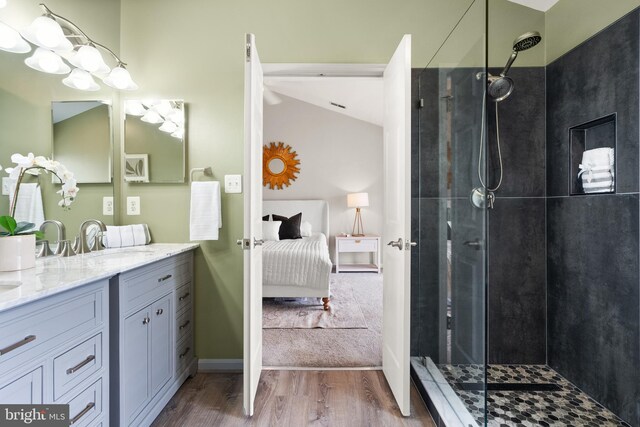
(206, 212)
(127, 235)
(29, 206)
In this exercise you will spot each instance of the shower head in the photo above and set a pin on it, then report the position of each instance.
(500, 87)
(524, 42)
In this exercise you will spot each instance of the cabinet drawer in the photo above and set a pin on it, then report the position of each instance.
(358, 245)
(86, 406)
(184, 294)
(184, 324)
(184, 354)
(152, 281)
(27, 389)
(77, 364)
(26, 330)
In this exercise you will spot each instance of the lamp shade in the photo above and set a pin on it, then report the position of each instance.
(134, 108)
(119, 78)
(80, 79)
(358, 200)
(89, 59)
(48, 62)
(46, 32)
(11, 41)
(168, 126)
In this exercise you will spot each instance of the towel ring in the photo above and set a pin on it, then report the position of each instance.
(206, 171)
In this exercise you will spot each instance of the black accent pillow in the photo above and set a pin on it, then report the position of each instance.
(266, 217)
(290, 227)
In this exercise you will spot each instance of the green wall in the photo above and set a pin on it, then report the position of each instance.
(194, 50)
(570, 22)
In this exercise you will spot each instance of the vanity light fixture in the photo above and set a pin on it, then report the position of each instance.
(168, 127)
(179, 133)
(134, 108)
(152, 116)
(58, 38)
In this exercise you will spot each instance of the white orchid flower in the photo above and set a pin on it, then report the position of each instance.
(23, 161)
(14, 173)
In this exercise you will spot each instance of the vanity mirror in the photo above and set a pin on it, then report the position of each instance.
(82, 139)
(154, 142)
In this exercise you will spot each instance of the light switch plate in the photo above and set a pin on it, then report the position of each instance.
(6, 184)
(133, 205)
(233, 183)
(107, 205)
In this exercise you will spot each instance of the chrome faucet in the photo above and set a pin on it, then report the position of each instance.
(83, 244)
(45, 251)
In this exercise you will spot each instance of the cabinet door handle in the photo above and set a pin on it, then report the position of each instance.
(82, 413)
(357, 241)
(185, 353)
(167, 277)
(159, 311)
(19, 344)
(183, 297)
(81, 364)
(146, 321)
(184, 325)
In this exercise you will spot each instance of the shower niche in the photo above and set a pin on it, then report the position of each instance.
(592, 156)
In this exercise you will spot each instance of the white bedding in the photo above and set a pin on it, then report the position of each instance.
(300, 262)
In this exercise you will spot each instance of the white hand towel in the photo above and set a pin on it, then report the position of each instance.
(597, 170)
(127, 235)
(206, 210)
(29, 205)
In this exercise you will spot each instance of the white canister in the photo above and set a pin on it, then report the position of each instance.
(17, 252)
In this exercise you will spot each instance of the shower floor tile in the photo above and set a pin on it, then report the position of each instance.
(567, 407)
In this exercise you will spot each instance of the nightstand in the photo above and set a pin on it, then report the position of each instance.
(367, 244)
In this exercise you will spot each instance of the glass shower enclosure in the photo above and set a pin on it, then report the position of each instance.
(449, 268)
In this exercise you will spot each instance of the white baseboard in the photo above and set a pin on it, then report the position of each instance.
(218, 365)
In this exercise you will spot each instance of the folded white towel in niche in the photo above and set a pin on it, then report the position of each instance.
(29, 206)
(597, 170)
(127, 235)
(205, 215)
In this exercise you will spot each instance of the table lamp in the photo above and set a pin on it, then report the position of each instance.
(358, 200)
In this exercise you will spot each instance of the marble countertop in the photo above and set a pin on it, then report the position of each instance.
(53, 275)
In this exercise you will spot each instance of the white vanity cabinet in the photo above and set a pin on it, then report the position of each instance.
(52, 350)
(148, 307)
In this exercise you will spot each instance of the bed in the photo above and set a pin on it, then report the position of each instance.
(298, 268)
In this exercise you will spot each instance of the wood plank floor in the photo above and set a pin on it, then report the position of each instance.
(292, 399)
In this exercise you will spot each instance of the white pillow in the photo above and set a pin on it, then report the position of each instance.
(270, 230)
(305, 229)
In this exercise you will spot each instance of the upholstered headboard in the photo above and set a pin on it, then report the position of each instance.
(314, 211)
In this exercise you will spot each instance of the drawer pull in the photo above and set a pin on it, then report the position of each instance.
(167, 277)
(184, 325)
(81, 364)
(183, 297)
(146, 321)
(185, 353)
(82, 413)
(19, 344)
(159, 311)
(357, 241)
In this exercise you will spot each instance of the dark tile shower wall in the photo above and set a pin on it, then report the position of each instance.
(593, 279)
(517, 294)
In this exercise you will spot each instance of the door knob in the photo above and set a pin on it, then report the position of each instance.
(396, 244)
(409, 244)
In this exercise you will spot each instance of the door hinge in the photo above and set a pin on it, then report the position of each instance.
(248, 53)
(421, 103)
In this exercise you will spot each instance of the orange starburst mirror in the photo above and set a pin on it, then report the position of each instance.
(280, 165)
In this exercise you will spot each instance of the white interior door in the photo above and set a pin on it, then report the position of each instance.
(397, 223)
(251, 243)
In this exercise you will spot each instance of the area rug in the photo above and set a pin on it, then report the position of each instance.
(333, 348)
(307, 313)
